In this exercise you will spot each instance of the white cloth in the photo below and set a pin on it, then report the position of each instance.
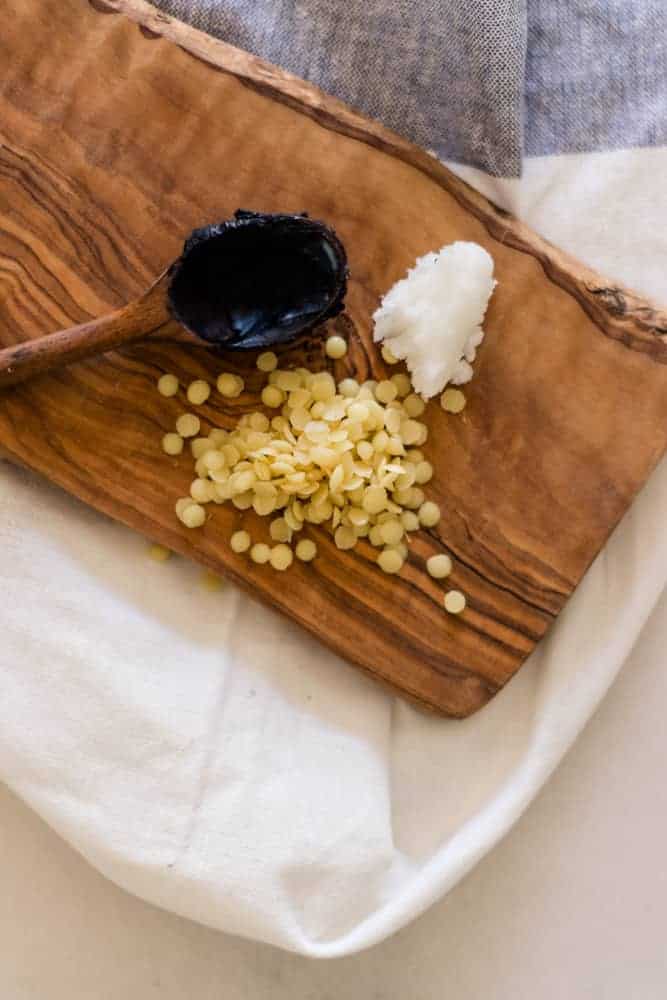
(212, 758)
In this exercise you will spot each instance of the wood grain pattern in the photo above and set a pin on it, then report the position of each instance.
(135, 321)
(116, 141)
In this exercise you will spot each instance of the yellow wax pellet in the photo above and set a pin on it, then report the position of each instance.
(193, 516)
(429, 514)
(272, 396)
(188, 425)
(306, 550)
(345, 537)
(199, 446)
(213, 460)
(388, 355)
(240, 541)
(167, 385)
(267, 362)
(411, 431)
(375, 499)
(286, 380)
(414, 405)
(217, 437)
(335, 347)
(172, 444)
(365, 450)
(349, 387)
(198, 392)
(423, 473)
(281, 557)
(455, 602)
(182, 504)
(229, 385)
(452, 400)
(385, 391)
(391, 532)
(402, 383)
(260, 553)
(375, 536)
(390, 561)
(201, 490)
(358, 412)
(409, 520)
(159, 553)
(439, 566)
(280, 530)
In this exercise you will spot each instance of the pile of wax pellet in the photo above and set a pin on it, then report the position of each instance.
(342, 454)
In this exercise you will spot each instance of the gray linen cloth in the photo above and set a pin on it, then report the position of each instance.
(482, 82)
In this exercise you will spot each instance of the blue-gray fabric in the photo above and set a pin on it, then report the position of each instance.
(482, 82)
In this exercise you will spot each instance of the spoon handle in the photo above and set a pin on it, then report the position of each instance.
(124, 326)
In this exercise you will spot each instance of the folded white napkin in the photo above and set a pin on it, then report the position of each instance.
(212, 758)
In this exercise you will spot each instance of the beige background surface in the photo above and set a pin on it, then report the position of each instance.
(572, 904)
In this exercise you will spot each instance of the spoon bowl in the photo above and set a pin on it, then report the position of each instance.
(250, 282)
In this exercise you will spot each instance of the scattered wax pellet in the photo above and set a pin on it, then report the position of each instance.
(199, 446)
(349, 387)
(455, 602)
(213, 460)
(201, 490)
(429, 514)
(345, 537)
(182, 504)
(335, 347)
(260, 553)
(259, 422)
(230, 385)
(158, 553)
(388, 355)
(193, 516)
(280, 530)
(439, 566)
(306, 550)
(167, 385)
(411, 431)
(365, 450)
(172, 444)
(375, 499)
(281, 557)
(272, 396)
(390, 561)
(267, 362)
(391, 532)
(452, 400)
(198, 392)
(385, 391)
(240, 541)
(409, 520)
(211, 581)
(402, 383)
(188, 425)
(423, 473)
(286, 380)
(375, 536)
(414, 405)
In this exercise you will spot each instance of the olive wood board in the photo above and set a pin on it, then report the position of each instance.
(122, 129)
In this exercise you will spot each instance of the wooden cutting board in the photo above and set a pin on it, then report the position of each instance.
(118, 135)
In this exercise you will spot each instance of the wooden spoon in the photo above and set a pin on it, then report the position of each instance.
(251, 282)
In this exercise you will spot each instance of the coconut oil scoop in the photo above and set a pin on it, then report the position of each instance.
(251, 282)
